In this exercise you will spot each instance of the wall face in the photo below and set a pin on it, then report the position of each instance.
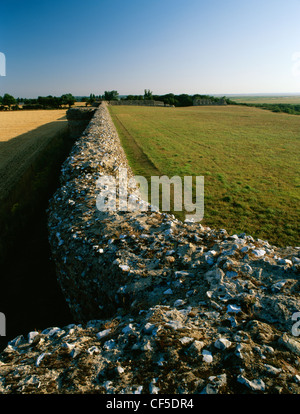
(200, 102)
(170, 307)
(78, 118)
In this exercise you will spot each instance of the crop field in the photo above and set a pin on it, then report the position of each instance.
(15, 123)
(23, 134)
(249, 159)
(289, 99)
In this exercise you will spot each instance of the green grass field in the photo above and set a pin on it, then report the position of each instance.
(249, 159)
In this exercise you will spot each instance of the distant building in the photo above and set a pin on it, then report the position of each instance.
(142, 102)
(207, 101)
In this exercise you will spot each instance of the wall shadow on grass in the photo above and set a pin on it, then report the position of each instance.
(30, 296)
(19, 153)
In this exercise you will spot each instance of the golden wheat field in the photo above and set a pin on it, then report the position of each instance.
(23, 134)
(14, 123)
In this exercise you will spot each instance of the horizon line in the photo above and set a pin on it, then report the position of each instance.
(190, 94)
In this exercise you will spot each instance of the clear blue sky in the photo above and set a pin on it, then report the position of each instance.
(180, 46)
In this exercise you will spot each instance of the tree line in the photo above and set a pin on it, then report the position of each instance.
(169, 99)
(172, 99)
(292, 109)
(187, 100)
(7, 101)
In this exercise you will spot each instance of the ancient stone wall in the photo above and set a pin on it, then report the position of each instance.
(160, 305)
(81, 235)
(138, 103)
(200, 102)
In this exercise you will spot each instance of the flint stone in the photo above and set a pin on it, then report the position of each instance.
(196, 348)
(222, 343)
(207, 356)
(290, 343)
(254, 385)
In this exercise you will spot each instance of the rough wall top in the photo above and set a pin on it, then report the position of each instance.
(107, 260)
(164, 306)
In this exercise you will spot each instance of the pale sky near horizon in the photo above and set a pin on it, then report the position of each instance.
(180, 46)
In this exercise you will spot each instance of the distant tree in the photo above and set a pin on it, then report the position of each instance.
(168, 99)
(147, 95)
(68, 99)
(49, 102)
(111, 95)
(8, 100)
(90, 100)
(185, 100)
(276, 109)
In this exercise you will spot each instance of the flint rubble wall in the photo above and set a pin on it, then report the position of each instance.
(160, 305)
(149, 102)
(200, 102)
